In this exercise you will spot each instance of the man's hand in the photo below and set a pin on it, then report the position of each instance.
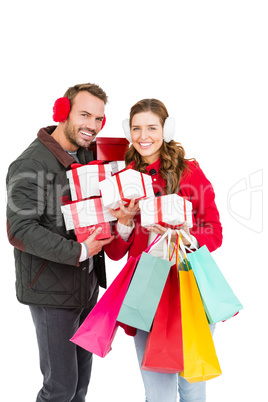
(94, 246)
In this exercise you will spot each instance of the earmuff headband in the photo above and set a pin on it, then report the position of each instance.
(61, 110)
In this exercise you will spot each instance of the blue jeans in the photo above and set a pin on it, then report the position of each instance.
(66, 367)
(161, 387)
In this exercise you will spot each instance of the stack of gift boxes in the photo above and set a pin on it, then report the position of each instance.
(101, 184)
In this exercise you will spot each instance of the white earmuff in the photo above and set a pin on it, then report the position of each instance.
(126, 128)
(168, 129)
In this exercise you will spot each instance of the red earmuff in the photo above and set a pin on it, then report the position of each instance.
(103, 122)
(61, 110)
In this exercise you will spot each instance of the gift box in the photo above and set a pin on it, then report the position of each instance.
(83, 233)
(84, 179)
(125, 186)
(169, 210)
(117, 166)
(109, 148)
(86, 214)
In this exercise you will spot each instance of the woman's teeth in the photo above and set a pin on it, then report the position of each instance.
(145, 144)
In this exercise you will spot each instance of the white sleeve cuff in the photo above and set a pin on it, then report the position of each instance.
(124, 231)
(84, 252)
(194, 243)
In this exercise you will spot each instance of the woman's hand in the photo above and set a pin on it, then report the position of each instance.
(125, 214)
(158, 229)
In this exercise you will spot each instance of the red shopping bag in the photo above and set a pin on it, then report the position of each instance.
(164, 349)
(97, 332)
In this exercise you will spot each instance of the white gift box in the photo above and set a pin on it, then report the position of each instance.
(117, 166)
(125, 186)
(84, 180)
(85, 213)
(169, 210)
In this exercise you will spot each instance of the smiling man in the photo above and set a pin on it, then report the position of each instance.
(56, 276)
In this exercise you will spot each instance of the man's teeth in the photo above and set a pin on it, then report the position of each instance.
(88, 134)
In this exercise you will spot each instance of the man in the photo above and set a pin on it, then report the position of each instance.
(56, 276)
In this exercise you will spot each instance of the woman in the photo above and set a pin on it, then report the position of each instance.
(153, 151)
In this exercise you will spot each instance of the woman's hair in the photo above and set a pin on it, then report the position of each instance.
(172, 154)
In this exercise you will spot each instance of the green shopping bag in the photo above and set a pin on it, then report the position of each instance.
(144, 293)
(220, 302)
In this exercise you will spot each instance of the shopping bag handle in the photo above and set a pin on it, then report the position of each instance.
(166, 246)
(189, 240)
(183, 249)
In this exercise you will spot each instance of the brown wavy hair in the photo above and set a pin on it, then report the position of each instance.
(172, 154)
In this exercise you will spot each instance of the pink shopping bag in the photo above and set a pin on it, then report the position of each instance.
(97, 332)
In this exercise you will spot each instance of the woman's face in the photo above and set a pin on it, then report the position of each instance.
(147, 135)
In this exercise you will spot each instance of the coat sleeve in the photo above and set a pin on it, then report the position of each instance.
(26, 203)
(118, 248)
(207, 227)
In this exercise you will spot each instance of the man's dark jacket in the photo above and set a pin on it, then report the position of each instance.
(48, 272)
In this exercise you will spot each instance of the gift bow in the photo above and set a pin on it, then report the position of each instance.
(77, 165)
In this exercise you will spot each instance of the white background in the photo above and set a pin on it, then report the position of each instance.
(207, 61)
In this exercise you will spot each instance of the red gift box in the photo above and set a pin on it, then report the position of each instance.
(83, 233)
(109, 148)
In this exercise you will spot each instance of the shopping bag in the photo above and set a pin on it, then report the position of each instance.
(219, 300)
(98, 330)
(164, 349)
(200, 359)
(145, 290)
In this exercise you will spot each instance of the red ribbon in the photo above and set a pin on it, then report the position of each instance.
(158, 217)
(121, 193)
(77, 186)
(98, 209)
(75, 216)
(77, 165)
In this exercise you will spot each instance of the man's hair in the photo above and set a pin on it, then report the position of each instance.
(93, 89)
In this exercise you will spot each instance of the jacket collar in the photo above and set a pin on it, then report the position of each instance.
(156, 165)
(44, 135)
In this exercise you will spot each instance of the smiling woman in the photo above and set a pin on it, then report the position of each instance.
(154, 152)
(147, 135)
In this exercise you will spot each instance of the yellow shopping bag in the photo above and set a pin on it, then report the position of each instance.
(200, 359)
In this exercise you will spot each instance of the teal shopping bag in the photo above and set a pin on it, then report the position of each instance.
(220, 302)
(144, 293)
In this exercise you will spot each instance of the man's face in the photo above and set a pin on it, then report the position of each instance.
(85, 119)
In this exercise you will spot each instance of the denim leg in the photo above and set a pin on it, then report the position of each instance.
(66, 368)
(195, 392)
(159, 387)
